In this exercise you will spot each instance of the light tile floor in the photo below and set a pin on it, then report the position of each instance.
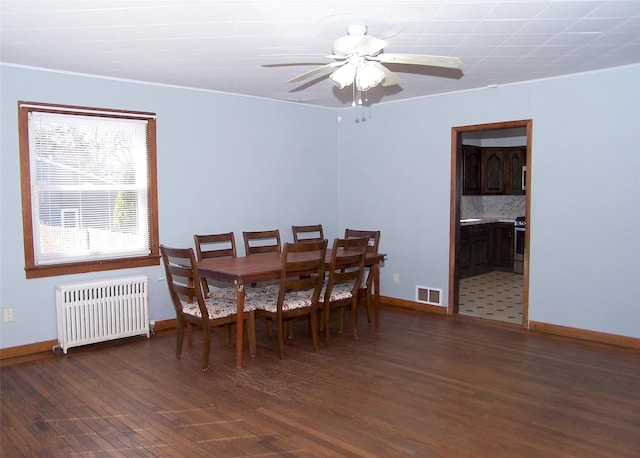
(494, 295)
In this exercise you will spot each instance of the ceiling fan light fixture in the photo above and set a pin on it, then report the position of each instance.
(344, 76)
(368, 76)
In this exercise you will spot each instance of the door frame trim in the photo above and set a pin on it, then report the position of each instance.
(456, 193)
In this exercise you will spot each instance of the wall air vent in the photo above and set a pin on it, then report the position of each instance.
(428, 295)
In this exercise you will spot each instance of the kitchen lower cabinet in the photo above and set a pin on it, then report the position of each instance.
(463, 253)
(484, 248)
(474, 250)
(502, 246)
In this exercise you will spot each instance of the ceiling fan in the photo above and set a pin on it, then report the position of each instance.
(359, 60)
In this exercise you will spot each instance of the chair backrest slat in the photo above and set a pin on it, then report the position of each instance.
(307, 233)
(215, 246)
(373, 236)
(303, 267)
(257, 242)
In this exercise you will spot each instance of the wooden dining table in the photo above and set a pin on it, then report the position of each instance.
(245, 270)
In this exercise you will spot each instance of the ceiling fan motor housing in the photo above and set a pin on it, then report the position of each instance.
(359, 30)
(344, 46)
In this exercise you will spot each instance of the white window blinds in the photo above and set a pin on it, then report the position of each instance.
(89, 187)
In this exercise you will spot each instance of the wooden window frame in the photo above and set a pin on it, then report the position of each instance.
(38, 271)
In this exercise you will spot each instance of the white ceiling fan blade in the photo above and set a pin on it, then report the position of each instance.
(369, 46)
(326, 56)
(316, 71)
(419, 59)
(390, 78)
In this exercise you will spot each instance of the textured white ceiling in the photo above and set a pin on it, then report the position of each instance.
(221, 45)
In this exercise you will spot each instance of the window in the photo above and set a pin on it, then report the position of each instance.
(89, 194)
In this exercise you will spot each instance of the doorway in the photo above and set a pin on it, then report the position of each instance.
(459, 136)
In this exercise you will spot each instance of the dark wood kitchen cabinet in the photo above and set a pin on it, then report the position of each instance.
(473, 258)
(471, 170)
(502, 246)
(516, 160)
(492, 170)
(484, 248)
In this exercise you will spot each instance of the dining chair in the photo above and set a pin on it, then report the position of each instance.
(212, 246)
(367, 281)
(257, 242)
(309, 233)
(185, 289)
(301, 279)
(343, 282)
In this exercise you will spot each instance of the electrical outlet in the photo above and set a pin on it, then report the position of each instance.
(8, 314)
(396, 278)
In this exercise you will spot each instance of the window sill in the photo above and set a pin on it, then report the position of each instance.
(92, 266)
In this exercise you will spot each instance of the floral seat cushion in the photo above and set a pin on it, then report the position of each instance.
(340, 291)
(268, 287)
(220, 303)
(265, 287)
(250, 291)
(269, 301)
(226, 291)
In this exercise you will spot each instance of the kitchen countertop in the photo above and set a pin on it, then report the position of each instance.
(474, 221)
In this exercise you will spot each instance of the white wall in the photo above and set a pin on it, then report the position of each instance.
(586, 212)
(225, 163)
(585, 191)
(237, 163)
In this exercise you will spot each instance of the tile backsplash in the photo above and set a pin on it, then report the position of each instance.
(492, 206)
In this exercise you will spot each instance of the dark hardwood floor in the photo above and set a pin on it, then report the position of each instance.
(424, 385)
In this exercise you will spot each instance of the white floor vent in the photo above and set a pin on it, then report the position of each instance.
(428, 295)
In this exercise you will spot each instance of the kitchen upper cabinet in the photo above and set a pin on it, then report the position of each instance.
(471, 169)
(492, 170)
(516, 162)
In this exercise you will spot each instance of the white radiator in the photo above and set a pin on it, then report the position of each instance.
(97, 311)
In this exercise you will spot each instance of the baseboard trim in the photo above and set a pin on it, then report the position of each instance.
(49, 345)
(389, 302)
(29, 349)
(165, 325)
(392, 302)
(563, 331)
(584, 334)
